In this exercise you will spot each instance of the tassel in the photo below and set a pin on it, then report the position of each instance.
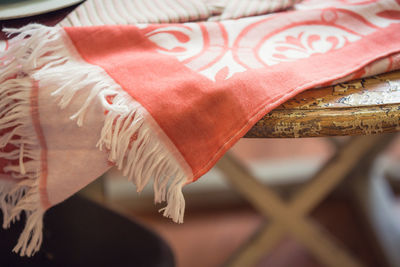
(44, 54)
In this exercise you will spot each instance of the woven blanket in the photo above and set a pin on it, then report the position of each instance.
(163, 102)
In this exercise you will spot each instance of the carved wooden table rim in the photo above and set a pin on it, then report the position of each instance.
(365, 106)
(362, 108)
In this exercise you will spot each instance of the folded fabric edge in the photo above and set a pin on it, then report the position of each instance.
(43, 54)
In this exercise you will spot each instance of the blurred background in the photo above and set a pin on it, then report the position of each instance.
(218, 221)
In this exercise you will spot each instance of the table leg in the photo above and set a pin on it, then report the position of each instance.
(291, 217)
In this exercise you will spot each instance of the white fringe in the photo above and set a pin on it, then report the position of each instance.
(22, 194)
(40, 53)
(135, 150)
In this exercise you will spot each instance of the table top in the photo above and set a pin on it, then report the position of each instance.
(366, 106)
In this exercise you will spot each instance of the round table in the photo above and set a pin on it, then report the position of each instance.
(365, 109)
(366, 106)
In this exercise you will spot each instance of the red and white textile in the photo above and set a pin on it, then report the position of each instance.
(163, 102)
(120, 12)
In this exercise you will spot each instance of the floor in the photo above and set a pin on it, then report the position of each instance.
(213, 231)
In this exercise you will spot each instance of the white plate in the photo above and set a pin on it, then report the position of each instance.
(12, 9)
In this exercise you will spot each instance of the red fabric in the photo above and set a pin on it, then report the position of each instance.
(204, 118)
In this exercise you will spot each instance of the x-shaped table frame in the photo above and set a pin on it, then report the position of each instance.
(292, 217)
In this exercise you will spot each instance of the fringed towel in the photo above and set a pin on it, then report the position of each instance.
(163, 102)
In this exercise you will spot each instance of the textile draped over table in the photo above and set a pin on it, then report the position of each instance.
(164, 102)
